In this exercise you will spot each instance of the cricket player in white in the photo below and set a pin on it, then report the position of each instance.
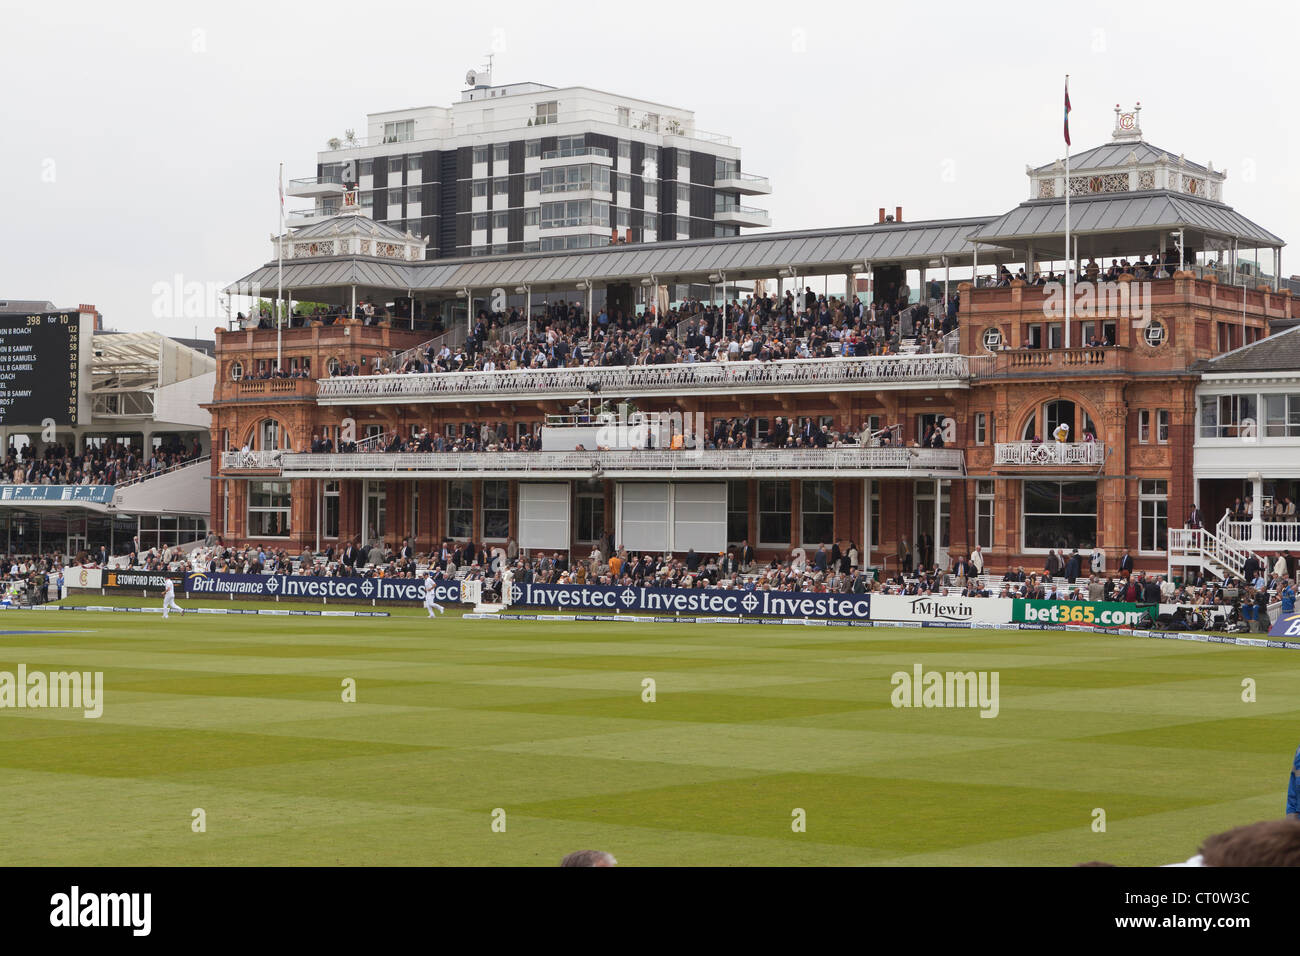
(429, 603)
(169, 598)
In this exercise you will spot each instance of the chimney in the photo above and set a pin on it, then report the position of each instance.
(882, 214)
(898, 214)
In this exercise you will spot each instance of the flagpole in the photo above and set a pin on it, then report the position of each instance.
(279, 294)
(1069, 261)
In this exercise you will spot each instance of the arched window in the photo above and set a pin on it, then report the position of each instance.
(1059, 412)
(236, 371)
(271, 437)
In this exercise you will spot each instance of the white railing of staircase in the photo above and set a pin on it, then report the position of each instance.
(1225, 559)
(145, 476)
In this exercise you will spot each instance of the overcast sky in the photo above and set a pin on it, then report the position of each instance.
(142, 140)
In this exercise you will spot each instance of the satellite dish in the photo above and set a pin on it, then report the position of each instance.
(470, 77)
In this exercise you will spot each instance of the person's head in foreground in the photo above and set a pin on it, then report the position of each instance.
(1269, 843)
(589, 858)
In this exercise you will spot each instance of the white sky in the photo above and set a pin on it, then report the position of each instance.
(142, 140)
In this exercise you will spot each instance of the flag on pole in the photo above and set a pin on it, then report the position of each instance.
(1067, 110)
(1067, 139)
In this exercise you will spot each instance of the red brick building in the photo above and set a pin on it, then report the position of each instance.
(1016, 371)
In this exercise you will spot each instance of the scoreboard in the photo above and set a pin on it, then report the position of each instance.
(39, 368)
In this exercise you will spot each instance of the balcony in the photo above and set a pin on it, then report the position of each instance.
(747, 184)
(737, 215)
(1049, 453)
(252, 460)
(1074, 361)
(309, 217)
(584, 465)
(270, 390)
(1265, 536)
(702, 378)
(314, 186)
(578, 153)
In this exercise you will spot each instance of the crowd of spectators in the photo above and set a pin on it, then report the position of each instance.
(1159, 267)
(108, 464)
(367, 312)
(740, 432)
(757, 328)
(836, 567)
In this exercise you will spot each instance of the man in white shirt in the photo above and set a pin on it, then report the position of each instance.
(977, 560)
(430, 604)
(169, 599)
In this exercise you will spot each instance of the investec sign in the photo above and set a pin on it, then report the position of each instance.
(696, 600)
(303, 586)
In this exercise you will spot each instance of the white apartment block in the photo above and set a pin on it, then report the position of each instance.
(526, 167)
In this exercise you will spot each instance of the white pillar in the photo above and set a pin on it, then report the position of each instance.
(938, 509)
(866, 523)
(528, 312)
(1256, 513)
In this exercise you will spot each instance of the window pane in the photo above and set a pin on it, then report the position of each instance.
(1042, 497)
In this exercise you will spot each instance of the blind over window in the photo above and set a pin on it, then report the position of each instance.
(544, 515)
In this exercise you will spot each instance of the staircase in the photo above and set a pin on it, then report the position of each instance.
(1220, 555)
(180, 489)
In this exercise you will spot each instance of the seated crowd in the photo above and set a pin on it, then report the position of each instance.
(110, 464)
(758, 328)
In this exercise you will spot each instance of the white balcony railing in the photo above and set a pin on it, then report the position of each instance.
(253, 460)
(882, 371)
(1270, 533)
(1049, 453)
(612, 464)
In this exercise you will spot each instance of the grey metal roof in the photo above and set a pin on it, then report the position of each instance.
(14, 306)
(1148, 211)
(348, 224)
(815, 251)
(1279, 352)
(1116, 154)
(303, 274)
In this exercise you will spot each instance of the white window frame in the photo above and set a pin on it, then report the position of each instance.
(331, 492)
(470, 510)
(985, 509)
(1024, 547)
(1159, 493)
(803, 512)
(764, 543)
(286, 509)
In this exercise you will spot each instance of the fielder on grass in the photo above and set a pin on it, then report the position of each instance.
(169, 598)
(430, 604)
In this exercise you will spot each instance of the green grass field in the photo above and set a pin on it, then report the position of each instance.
(244, 718)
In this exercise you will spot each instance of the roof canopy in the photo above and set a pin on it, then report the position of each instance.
(1123, 224)
(808, 253)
